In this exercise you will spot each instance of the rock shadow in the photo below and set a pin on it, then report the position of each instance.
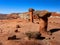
(54, 30)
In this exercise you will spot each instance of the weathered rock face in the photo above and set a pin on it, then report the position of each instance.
(24, 15)
(36, 14)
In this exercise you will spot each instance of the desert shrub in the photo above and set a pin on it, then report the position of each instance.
(34, 35)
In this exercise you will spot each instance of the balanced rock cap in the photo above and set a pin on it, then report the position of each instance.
(31, 9)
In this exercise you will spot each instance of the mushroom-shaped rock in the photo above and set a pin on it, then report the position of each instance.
(31, 14)
(31, 10)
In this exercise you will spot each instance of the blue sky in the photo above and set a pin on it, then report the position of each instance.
(17, 6)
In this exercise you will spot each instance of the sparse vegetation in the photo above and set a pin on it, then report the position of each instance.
(34, 35)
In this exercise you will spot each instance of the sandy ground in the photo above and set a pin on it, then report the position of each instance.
(8, 27)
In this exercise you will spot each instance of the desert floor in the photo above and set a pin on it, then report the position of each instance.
(8, 28)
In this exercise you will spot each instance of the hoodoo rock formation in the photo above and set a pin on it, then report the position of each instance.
(43, 22)
(31, 14)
